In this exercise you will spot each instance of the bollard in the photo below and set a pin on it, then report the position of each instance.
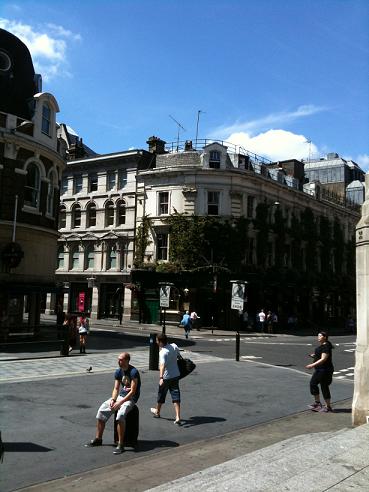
(153, 353)
(64, 347)
(237, 346)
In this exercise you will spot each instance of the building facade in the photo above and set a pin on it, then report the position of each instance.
(31, 165)
(243, 217)
(97, 217)
(197, 218)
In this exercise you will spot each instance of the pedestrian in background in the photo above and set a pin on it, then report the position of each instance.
(261, 320)
(323, 373)
(269, 322)
(186, 323)
(194, 320)
(70, 327)
(83, 330)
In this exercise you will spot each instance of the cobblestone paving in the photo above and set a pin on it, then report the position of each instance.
(34, 369)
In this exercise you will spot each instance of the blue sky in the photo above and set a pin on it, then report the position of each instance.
(269, 75)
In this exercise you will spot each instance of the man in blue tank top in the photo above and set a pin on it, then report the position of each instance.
(126, 392)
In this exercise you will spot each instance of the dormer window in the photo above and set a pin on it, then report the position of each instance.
(214, 159)
(46, 120)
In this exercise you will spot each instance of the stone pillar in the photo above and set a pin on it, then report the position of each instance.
(66, 302)
(50, 303)
(127, 299)
(360, 402)
(95, 302)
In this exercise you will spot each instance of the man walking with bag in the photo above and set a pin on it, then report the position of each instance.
(168, 377)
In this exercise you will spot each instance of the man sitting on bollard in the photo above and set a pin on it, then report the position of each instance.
(125, 395)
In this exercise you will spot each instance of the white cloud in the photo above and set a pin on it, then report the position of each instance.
(276, 145)
(270, 120)
(48, 48)
(363, 161)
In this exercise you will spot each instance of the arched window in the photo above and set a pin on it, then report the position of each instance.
(32, 188)
(51, 193)
(111, 260)
(91, 215)
(46, 120)
(60, 259)
(90, 257)
(62, 217)
(76, 216)
(74, 256)
(109, 214)
(121, 212)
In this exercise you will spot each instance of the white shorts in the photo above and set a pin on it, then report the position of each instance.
(105, 412)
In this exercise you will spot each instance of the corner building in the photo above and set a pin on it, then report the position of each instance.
(31, 165)
(217, 212)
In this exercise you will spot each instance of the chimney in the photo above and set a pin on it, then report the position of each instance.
(156, 145)
(76, 150)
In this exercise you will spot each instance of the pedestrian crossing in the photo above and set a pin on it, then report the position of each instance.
(345, 374)
(50, 368)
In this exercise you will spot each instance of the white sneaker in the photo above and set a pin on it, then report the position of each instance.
(155, 413)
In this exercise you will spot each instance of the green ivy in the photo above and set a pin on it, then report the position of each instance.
(142, 241)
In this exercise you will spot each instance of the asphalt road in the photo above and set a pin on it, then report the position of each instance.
(46, 421)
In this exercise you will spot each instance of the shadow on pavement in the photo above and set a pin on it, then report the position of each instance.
(200, 420)
(24, 447)
(143, 445)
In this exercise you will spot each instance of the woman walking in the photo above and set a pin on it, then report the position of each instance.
(323, 372)
(83, 332)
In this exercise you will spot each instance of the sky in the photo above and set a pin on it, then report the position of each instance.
(283, 79)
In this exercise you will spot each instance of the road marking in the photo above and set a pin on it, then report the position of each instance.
(250, 357)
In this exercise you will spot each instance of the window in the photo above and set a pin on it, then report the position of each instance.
(50, 194)
(92, 182)
(110, 181)
(64, 185)
(213, 202)
(111, 262)
(122, 178)
(46, 120)
(214, 159)
(75, 258)
(91, 215)
(162, 246)
(250, 206)
(77, 183)
(62, 217)
(121, 213)
(163, 203)
(90, 257)
(109, 214)
(32, 188)
(60, 259)
(76, 216)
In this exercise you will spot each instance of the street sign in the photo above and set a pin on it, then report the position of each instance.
(164, 296)
(238, 294)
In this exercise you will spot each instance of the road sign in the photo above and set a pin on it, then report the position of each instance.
(238, 294)
(164, 296)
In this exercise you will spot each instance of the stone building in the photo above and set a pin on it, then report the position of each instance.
(340, 179)
(97, 217)
(297, 242)
(31, 165)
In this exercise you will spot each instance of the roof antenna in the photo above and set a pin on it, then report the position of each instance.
(179, 126)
